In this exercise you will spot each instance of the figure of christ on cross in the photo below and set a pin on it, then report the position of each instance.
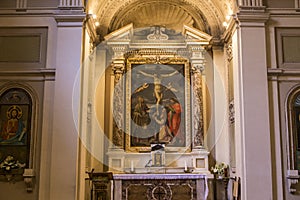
(157, 78)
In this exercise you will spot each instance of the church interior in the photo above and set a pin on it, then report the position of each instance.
(149, 99)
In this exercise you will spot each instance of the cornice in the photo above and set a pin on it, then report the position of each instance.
(69, 17)
(229, 30)
(283, 72)
(91, 28)
(45, 74)
(251, 18)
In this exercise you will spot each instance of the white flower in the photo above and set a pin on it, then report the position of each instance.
(10, 163)
(219, 168)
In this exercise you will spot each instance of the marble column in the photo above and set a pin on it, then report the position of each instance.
(197, 67)
(199, 153)
(197, 107)
(118, 95)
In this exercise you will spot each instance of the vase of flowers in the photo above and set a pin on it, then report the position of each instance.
(10, 167)
(220, 170)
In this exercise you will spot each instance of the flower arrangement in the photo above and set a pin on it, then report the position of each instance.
(10, 163)
(220, 169)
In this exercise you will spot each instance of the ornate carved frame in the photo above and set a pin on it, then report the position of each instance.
(165, 58)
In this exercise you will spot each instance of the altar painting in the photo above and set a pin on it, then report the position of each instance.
(157, 105)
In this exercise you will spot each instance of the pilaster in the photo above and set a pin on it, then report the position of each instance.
(66, 95)
(252, 127)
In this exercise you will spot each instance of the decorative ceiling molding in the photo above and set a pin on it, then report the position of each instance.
(208, 16)
(165, 14)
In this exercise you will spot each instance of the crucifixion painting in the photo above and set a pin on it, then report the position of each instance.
(157, 104)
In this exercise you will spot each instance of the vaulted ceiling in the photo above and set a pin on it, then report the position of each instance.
(205, 15)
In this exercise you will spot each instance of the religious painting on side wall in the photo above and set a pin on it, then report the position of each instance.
(157, 105)
(15, 120)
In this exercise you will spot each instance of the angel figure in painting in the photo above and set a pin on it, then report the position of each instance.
(13, 129)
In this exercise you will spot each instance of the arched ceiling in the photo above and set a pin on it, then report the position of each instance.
(170, 15)
(205, 15)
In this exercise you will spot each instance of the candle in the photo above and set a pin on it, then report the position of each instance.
(131, 166)
(185, 166)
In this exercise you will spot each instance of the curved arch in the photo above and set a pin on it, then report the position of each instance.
(291, 129)
(168, 14)
(213, 13)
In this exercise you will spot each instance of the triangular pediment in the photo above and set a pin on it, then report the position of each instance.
(123, 33)
(194, 35)
(157, 37)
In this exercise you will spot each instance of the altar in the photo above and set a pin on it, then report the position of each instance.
(153, 108)
(160, 186)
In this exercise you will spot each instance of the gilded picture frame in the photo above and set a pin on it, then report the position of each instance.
(157, 97)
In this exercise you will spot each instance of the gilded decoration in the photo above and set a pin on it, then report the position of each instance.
(228, 48)
(157, 96)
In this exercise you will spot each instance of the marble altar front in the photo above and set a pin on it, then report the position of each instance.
(160, 186)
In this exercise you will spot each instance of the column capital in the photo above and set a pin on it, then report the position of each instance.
(251, 19)
(197, 68)
(197, 52)
(119, 51)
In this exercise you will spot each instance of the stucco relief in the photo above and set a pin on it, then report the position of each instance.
(228, 48)
(213, 12)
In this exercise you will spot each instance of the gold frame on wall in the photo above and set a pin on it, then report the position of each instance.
(164, 61)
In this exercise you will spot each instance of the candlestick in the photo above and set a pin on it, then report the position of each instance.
(131, 166)
(185, 166)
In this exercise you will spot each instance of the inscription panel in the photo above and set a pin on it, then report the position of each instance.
(288, 40)
(23, 48)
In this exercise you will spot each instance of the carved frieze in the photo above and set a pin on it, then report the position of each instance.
(228, 49)
(158, 34)
(231, 112)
